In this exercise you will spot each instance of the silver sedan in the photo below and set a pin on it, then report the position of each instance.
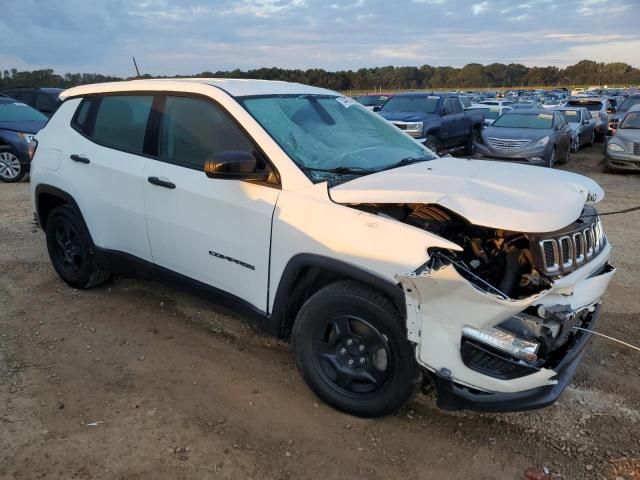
(583, 126)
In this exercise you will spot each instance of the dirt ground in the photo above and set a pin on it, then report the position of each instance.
(133, 380)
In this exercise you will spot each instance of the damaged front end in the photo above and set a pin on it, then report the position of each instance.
(495, 324)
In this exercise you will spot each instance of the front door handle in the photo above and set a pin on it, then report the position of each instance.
(80, 159)
(161, 183)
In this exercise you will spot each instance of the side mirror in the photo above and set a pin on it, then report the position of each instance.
(233, 165)
(377, 108)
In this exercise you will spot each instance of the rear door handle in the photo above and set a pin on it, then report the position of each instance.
(161, 183)
(79, 159)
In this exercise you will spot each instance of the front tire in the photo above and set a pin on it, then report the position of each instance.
(71, 249)
(11, 170)
(352, 350)
(470, 145)
(551, 161)
(575, 146)
(432, 143)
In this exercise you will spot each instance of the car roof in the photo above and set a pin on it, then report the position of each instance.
(52, 89)
(426, 94)
(586, 100)
(233, 86)
(635, 108)
(528, 111)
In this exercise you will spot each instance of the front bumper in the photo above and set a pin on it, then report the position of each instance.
(441, 303)
(532, 155)
(622, 161)
(453, 396)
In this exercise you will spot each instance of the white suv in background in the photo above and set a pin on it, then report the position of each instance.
(386, 265)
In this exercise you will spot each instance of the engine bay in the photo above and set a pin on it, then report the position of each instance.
(497, 260)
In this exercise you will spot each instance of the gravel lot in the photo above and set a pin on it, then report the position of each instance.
(135, 380)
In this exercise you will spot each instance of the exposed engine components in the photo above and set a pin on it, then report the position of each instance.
(499, 258)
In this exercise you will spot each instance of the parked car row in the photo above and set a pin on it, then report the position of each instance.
(537, 128)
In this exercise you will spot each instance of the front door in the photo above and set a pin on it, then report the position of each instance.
(215, 231)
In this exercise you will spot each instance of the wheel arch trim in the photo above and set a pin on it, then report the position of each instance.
(287, 283)
(44, 188)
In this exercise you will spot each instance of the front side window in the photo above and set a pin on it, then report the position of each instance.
(193, 130)
(456, 106)
(121, 121)
(325, 132)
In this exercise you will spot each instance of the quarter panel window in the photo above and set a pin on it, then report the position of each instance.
(81, 119)
(194, 129)
(121, 121)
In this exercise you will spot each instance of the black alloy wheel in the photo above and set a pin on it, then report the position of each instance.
(71, 249)
(352, 355)
(352, 350)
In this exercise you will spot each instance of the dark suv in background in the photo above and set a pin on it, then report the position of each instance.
(45, 100)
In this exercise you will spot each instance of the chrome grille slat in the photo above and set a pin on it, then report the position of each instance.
(563, 254)
(636, 148)
(506, 144)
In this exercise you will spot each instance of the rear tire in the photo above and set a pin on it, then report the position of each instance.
(470, 145)
(71, 249)
(11, 170)
(352, 350)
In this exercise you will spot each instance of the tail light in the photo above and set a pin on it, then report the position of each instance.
(33, 145)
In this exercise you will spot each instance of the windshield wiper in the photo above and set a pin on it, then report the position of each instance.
(405, 161)
(342, 170)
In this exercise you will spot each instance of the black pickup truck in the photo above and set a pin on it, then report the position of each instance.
(438, 120)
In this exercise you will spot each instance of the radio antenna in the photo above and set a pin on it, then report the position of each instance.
(136, 65)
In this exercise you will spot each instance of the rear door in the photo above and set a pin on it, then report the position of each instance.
(102, 165)
(215, 231)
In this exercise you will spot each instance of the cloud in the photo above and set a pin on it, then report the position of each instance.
(479, 8)
(191, 36)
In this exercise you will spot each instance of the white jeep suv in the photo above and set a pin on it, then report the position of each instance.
(386, 266)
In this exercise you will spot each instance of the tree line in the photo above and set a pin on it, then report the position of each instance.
(473, 75)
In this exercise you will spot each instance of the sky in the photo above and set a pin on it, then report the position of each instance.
(191, 36)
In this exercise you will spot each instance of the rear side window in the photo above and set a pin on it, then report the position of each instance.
(81, 119)
(121, 122)
(193, 130)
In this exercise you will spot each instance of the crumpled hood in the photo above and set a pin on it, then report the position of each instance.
(407, 116)
(498, 195)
